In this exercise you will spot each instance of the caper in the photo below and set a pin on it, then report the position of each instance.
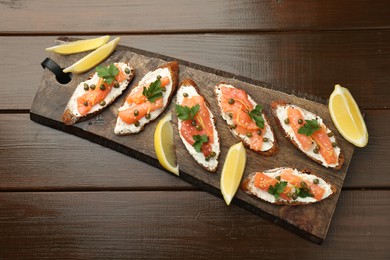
(289, 195)
(330, 134)
(193, 123)
(102, 87)
(300, 121)
(315, 150)
(147, 116)
(127, 70)
(259, 132)
(213, 154)
(159, 77)
(116, 85)
(185, 94)
(136, 123)
(334, 144)
(265, 139)
(230, 115)
(294, 196)
(233, 126)
(198, 127)
(93, 86)
(303, 184)
(287, 121)
(316, 181)
(278, 177)
(86, 87)
(136, 112)
(102, 103)
(231, 101)
(249, 134)
(86, 103)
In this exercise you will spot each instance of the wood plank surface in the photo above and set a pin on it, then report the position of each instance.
(27, 17)
(306, 62)
(36, 157)
(178, 225)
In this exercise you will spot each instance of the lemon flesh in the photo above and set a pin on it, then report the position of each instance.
(232, 171)
(79, 46)
(346, 116)
(94, 58)
(164, 145)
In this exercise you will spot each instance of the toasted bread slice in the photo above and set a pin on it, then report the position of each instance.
(279, 110)
(265, 143)
(295, 187)
(133, 116)
(203, 123)
(72, 114)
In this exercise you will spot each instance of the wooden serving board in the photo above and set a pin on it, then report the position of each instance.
(310, 221)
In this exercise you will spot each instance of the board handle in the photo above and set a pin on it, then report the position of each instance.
(61, 77)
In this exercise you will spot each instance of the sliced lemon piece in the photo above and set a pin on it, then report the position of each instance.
(164, 145)
(232, 171)
(94, 58)
(346, 116)
(79, 46)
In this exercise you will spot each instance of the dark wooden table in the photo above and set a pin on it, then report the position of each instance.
(56, 201)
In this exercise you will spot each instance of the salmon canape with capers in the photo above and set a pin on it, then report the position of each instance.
(147, 100)
(97, 92)
(308, 133)
(245, 119)
(287, 186)
(196, 125)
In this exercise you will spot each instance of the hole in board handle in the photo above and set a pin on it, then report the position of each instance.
(61, 77)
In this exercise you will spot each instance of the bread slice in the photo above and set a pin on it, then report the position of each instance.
(189, 89)
(268, 148)
(170, 70)
(279, 111)
(249, 187)
(72, 115)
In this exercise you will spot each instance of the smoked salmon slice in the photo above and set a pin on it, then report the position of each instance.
(246, 119)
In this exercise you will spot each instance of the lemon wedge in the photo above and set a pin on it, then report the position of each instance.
(94, 58)
(79, 46)
(346, 116)
(164, 144)
(232, 171)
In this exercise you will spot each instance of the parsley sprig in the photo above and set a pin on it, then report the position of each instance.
(154, 91)
(256, 115)
(199, 141)
(277, 189)
(186, 113)
(107, 73)
(303, 192)
(309, 128)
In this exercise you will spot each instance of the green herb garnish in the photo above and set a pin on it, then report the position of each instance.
(107, 73)
(199, 141)
(303, 192)
(186, 113)
(277, 189)
(154, 91)
(309, 128)
(256, 116)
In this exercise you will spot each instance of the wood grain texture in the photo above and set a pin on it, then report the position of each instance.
(178, 225)
(24, 16)
(306, 62)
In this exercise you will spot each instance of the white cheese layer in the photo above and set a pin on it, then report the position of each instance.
(199, 157)
(121, 128)
(114, 92)
(281, 113)
(262, 194)
(268, 132)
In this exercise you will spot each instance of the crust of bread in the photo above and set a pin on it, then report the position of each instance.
(173, 67)
(277, 103)
(245, 188)
(68, 118)
(269, 152)
(190, 82)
